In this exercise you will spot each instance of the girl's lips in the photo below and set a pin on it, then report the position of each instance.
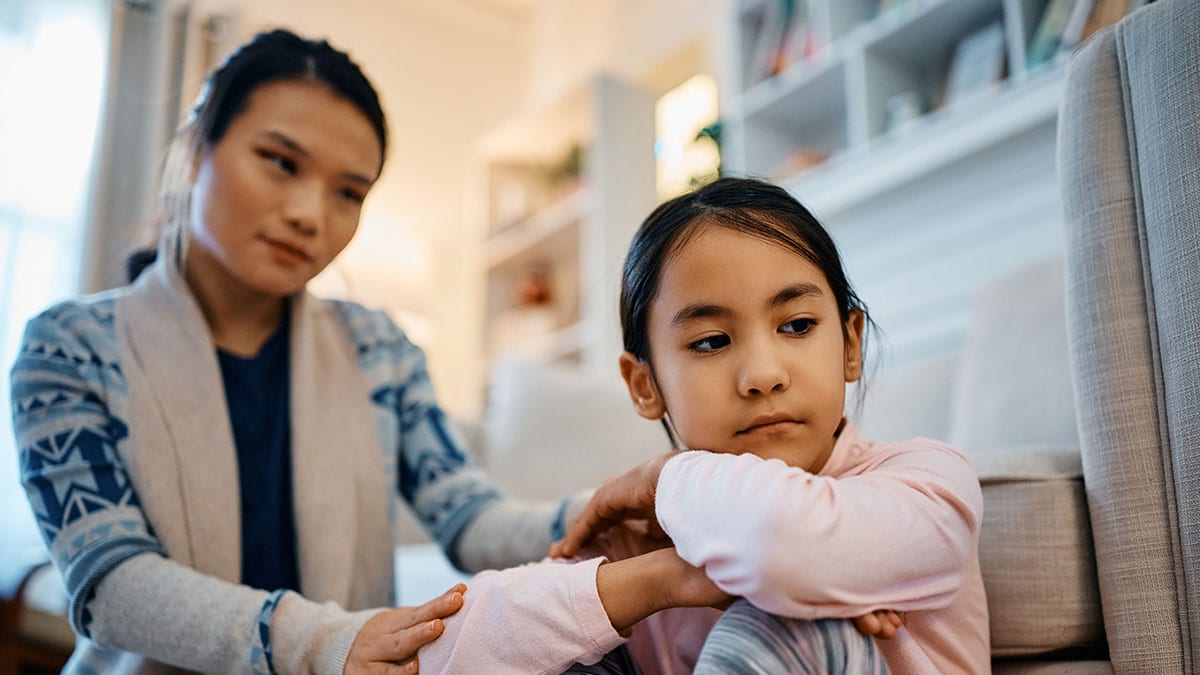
(771, 425)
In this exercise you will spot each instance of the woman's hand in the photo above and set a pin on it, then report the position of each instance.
(881, 624)
(629, 496)
(387, 644)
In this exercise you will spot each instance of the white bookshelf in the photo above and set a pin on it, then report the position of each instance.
(577, 232)
(926, 214)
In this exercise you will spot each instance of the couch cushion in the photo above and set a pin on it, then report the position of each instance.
(1014, 381)
(551, 431)
(1035, 553)
(906, 401)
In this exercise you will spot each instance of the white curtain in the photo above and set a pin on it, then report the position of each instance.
(53, 56)
(90, 95)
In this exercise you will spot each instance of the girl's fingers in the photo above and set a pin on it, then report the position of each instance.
(867, 624)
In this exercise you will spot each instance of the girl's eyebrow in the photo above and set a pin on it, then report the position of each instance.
(800, 290)
(711, 311)
(701, 311)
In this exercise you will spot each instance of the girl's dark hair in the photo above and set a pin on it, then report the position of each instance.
(268, 57)
(745, 205)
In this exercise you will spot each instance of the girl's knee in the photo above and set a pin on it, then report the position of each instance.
(749, 640)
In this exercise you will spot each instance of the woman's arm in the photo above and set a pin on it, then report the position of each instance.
(123, 593)
(477, 525)
(795, 544)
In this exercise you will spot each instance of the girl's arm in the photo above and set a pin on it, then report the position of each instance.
(898, 536)
(543, 617)
(123, 593)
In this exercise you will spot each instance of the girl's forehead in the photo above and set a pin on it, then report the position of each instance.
(720, 263)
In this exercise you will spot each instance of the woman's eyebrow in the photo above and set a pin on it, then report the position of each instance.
(295, 147)
(286, 142)
(800, 290)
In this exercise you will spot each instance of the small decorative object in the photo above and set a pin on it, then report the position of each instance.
(903, 110)
(977, 64)
(533, 289)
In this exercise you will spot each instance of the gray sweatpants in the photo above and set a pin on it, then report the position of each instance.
(747, 640)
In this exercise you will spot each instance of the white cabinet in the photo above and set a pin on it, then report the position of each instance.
(560, 191)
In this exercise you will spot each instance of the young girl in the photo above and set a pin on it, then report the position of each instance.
(741, 332)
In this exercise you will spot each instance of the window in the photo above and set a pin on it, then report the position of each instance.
(52, 71)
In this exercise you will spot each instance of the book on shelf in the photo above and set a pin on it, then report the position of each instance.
(1048, 36)
(782, 36)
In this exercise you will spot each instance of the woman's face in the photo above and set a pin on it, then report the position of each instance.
(748, 350)
(280, 194)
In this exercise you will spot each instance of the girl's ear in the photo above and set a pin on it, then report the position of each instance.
(646, 399)
(854, 355)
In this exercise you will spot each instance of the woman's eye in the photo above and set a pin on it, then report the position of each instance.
(798, 326)
(353, 196)
(284, 164)
(709, 344)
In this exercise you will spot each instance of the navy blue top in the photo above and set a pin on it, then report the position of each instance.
(256, 391)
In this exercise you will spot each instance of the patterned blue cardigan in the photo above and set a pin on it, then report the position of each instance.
(69, 390)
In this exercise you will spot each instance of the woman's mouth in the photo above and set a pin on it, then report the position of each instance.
(286, 253)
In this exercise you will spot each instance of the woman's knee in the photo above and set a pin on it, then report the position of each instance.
(749, 640)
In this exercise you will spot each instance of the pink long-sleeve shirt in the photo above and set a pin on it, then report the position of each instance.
(882, 526)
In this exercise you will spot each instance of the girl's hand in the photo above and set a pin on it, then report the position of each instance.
(387, 644)
(881, 624)
(629, 496)
(689, 586)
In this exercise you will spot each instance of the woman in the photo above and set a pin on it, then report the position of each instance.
(203, 444)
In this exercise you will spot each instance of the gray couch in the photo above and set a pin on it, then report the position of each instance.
(1129, 170)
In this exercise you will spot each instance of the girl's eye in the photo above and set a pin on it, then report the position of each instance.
(709, 344)
(284, 164)
(798, 326)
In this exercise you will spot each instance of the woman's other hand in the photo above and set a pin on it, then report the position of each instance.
(881, 624)
(387, 644)
(629, 496)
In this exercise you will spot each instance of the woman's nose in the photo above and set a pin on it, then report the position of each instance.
(305, 208)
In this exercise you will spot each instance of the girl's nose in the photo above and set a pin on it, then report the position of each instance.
(762, 371)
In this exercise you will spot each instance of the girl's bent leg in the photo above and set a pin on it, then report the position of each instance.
(749, 640)
(617, 662)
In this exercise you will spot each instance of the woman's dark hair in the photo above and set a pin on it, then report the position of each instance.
(268, 57)
(745, 205)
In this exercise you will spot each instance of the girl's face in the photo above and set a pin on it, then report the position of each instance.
(747, 351)
(280, 194)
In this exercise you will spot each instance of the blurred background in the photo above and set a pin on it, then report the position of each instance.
(529, 139)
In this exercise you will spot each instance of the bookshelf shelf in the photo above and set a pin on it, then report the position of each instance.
(561, 189)
(532, 233)
(940, 139)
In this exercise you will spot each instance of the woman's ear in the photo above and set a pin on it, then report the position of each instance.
(854, 353)
(642, 389)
